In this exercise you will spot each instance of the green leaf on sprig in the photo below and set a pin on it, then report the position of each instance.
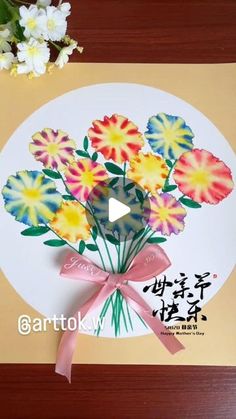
(18, 32)
(156, 240)
(129, 186)
(95, 156)
(85, 143)
(94, 232)
(114, 169)
(138, 234)
(35, 231)
(92, 247)
(55, 243)
(82, 247)
(113, 182)
(169, 163)
(189, 203)
(52, 174)
(82, 153)
(139, 195)
(112, 239)
(169, 188)
(68, 198)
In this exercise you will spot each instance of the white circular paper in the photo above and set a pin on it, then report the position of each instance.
(206, 244)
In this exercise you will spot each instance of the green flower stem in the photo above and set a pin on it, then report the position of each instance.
(103, 312)
(124, 169)
(129, 249)
(21, 2)
(139, 246)
(119, 254)
(121, 310)
(104, 240)
(132, 250)
(55, 46)
(168, 177)
(124, 250)
(100, 254)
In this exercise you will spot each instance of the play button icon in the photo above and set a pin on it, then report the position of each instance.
(117, 207)
(116, 210)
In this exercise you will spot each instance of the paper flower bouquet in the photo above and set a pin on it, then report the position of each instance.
(174, 175)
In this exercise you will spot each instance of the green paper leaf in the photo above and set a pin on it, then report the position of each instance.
(129, 186)
(68, 198)
(52, 174)
(86, 143)
(95, 156)
(169, 163)
(114, 169)
(138, 234)
(189, 203)
(55, 243)
(35, 231)
(169, 188)
(156, 240)
(112, 239)
(94, 232)
(139, 195)
(82, 247)
(82, 153)
(92, 247)
(113, 182)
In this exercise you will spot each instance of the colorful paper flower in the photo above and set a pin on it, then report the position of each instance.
(31, 198)
(53, 148)
(165, 214)
(169, 135)
(70, 222)
(148, 171)
(203, 177)
(116, 138)
(82, 176)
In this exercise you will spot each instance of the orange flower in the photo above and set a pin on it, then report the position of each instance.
(148, 171)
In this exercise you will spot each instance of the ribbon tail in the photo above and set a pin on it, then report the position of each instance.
(68, 341)
(171, 343)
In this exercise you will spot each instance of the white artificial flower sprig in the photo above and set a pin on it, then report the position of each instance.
(29, 32)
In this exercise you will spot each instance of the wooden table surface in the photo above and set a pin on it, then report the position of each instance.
(148, 31)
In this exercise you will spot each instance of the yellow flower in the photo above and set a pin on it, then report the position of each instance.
(70, 222)
(148, 171)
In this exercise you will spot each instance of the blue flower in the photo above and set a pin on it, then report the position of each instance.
(31, 198)
(169, 135)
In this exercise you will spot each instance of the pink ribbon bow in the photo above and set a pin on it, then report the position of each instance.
(150, 262)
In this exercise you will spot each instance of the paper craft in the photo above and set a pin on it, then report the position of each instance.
(176, 170)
